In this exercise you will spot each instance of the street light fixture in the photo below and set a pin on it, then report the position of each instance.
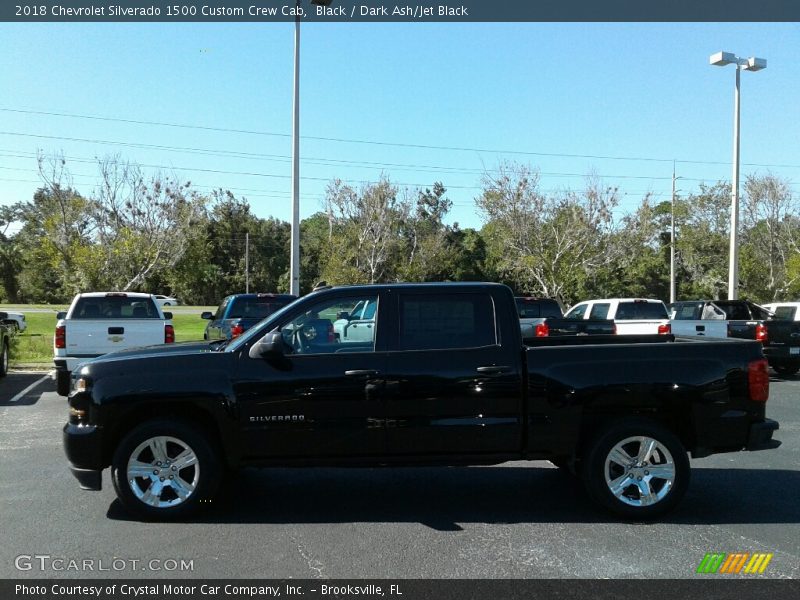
(294, 258)
(721, 59)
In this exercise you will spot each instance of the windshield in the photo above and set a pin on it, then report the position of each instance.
(259, 330)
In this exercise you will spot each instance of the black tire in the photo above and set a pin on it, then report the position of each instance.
(4, 359)
(167, 503)
(664, 494)
(167, 304)
(786, 370)
(63, 382)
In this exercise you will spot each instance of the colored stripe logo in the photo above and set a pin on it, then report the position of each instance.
(735, 563)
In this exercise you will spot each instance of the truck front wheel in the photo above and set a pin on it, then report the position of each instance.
(637, 469)
(164, 469)
(4, 359)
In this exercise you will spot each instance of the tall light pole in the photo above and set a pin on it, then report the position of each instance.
(672, 290)
(721, 59)
(294, 257)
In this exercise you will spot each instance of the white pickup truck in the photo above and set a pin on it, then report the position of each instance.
(632, 316)
(101, 322)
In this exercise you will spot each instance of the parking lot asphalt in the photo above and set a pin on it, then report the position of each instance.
(520, 520)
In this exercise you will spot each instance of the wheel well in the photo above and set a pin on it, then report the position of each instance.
(187, 413)
(593, 423)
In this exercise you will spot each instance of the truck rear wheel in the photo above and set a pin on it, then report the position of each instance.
(637, 469)
(63, 382)
(786, 370)
(164, 469)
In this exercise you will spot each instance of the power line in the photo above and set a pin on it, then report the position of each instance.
(386, 143)
(198, 169)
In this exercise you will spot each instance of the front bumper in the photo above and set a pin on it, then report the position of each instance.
(83, 446)
(760, 437)
(88, 479)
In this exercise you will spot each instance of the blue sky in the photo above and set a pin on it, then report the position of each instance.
(634, 91)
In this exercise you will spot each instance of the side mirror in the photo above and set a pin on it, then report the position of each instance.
(208, 316)
(342, 315)
(168, 315)
(270, 346)
(62, 314)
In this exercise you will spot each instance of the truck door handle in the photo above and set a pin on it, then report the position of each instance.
(492, 370)
(700, 327)
(116, 330)
(362, 373)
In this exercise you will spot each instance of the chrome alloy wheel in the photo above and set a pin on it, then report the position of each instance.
(639, 471)
(163, 471)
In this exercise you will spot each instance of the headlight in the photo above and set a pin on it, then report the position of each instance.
(82, 384)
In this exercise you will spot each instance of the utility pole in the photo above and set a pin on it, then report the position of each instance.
(294, 261)
(672, 294)
(247, 262)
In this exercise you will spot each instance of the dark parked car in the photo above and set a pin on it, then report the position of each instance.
(240, 312)
(5, 344)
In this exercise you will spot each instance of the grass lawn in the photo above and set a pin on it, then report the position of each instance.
(35, 344)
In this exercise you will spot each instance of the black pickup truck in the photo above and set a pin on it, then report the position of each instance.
(444, 380)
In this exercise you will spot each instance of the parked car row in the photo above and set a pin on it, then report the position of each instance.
(779, 336)
(775, 325)
(541, 317)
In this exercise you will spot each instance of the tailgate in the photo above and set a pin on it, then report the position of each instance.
(743, 330)
(711, 328)
(784, 334)
(639, 327)
(91, 337)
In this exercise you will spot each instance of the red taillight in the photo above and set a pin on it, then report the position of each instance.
(542, 330)
(758, 380)
(761, 333)
(236, 330)
(331, 334)
(614, 329)
(61, 336)
(664, 329)
(169, 334)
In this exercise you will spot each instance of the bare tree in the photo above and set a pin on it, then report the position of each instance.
(144, 223)
(771, 227)
(548, 243)
(369, 219)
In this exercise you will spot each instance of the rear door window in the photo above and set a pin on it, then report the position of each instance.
(255, 308)
(446, 321)
(687, 311)
(115, 307)
(536, 308)
(600, 311)
(784, 313)
(633, 311)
